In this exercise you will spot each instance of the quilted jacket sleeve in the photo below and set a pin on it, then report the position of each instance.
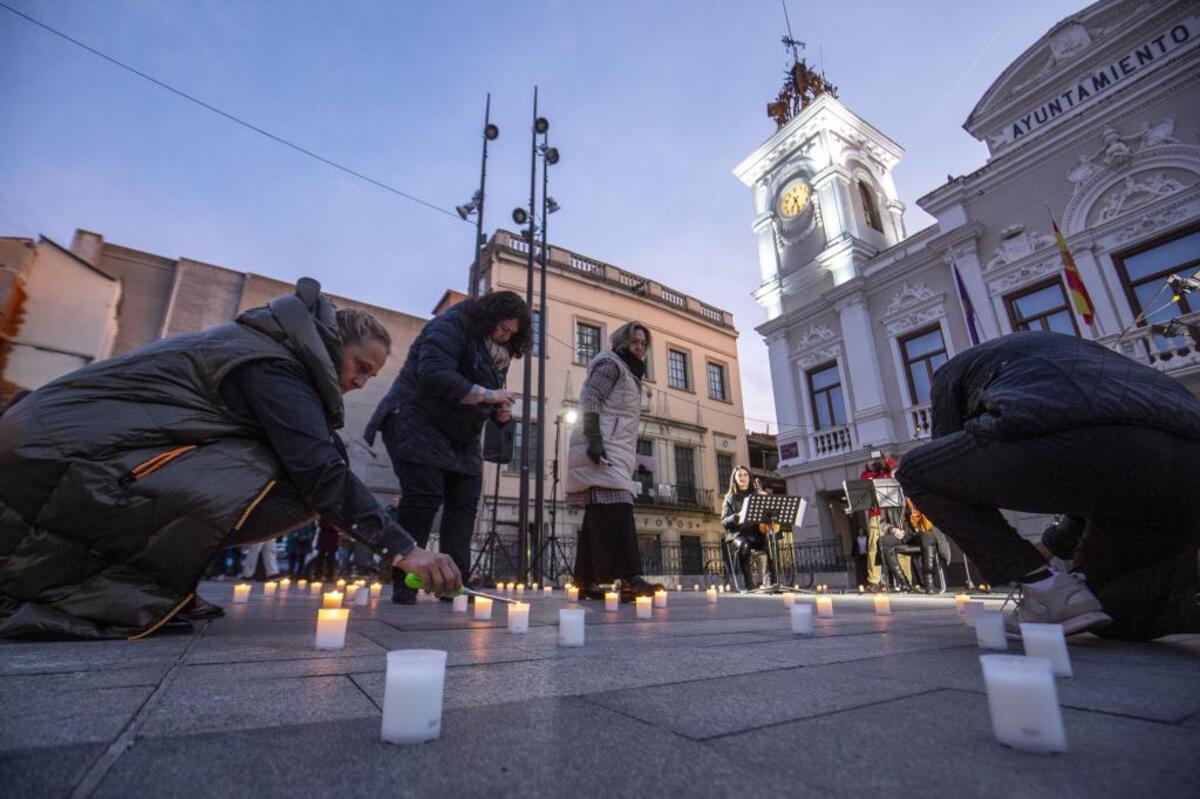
(439, 366)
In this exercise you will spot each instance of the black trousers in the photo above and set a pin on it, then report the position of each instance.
(608, 545)
(1135, 488)
(425, 489)
(749, 540)
(296, 563)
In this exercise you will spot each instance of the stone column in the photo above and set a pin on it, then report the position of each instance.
(872, 421)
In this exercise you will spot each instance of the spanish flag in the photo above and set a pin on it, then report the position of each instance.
(1079, 293)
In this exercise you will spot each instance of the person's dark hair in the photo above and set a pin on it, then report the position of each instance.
(491, 309)
(355, 326)
(733, 486)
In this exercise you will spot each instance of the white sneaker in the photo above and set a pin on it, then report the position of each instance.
(1067, 601)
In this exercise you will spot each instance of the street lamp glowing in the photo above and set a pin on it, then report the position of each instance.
(571, 417)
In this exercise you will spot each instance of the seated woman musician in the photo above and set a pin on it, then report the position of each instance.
(747, 537)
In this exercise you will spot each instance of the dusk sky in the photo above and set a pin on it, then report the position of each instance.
(651, 104)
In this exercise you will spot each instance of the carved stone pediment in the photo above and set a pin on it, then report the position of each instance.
(817, 344)
(815, 335)
(1134, 191)
(1017, 243)
(908, 296)
(1022, 274)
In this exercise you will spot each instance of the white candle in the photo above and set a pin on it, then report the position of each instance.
(340, 584)
(533, 586)
(989, 630)
(333, 599)
(361, 598)
(960, 602)
(883, 605)
(269, 588)
(572, 594)
(696, 587)
(802, 619)
(611, 601)
(1024, 703)
(678, 586)
(331, 628)
(520, 589)
(710, 595)
(825, 606)
(570, 627)
(1047, 641)
(412, 696)
(511, 587)
(547, 590)
(302, 584)
(376, 590)
(660, 599)
(518, 618)
(971, 611)
(789, 600)
(350, 592)
(314, 588)
(241, 593)
(645, 607)
(483, 609)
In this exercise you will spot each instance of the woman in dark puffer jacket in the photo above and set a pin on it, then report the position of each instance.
(431, 418)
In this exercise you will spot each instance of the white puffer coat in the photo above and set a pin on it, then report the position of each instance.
(620, 417)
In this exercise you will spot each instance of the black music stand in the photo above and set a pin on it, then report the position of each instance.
(865, 495)
(773, 510)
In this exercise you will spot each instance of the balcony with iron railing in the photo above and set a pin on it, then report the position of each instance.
(683, 496)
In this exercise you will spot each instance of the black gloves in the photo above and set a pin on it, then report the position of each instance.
(591, 429)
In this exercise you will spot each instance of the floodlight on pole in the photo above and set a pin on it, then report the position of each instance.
(490, 133)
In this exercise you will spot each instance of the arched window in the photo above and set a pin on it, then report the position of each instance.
(870, 210)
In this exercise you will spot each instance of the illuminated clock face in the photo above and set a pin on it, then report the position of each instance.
(795, 199)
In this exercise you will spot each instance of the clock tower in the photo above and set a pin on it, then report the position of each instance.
(824, 200)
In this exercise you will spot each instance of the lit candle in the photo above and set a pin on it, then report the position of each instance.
(314, 588)
(547, 590)
(302, 584)
(825, 606)
(285, 584)
(572, 594)
(333, 599)
(241, 593)
(645, 607)
(660, 599)
(860, 589)
(802, 619)
(269, 588)
(412, 696)
(611, 600)
(960, 602)
(376, 590)
(518, 618)
(483, 609)
(971, 611)
(459, 604)
(789, 600)
(533, 586)
(331, 628)
(351, 592)
(511, 587)
(570, 627)
(1047, 641)
(696, 587)
(520, 589)
(340, 584)
(361, 598)
(1024, 703)
(989, 630)
(883, 605)
(678, 586)
(710, 594)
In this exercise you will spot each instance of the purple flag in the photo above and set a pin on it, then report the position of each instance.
(968, 308)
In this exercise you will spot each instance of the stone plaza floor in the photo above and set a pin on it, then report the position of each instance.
(704, 700)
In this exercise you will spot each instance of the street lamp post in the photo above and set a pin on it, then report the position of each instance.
(549, 206)
(475, 206)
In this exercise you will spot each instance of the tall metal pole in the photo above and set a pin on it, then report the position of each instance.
(527, 380)
(473, 286)
(539, 496)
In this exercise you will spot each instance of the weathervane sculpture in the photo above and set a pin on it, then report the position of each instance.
(802, 84)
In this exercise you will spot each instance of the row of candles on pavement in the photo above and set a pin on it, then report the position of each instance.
(1021, 692)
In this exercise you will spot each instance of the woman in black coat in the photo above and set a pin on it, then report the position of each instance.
(744, 538)
(431, 418)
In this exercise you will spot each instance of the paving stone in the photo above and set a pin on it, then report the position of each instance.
(1113, 687)
(82, 680)
(190, 707)
(941, 744)
(547, 748)
(75, 656)
(295, 643)
(707, 708)
(45, 771)
(47, 715)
